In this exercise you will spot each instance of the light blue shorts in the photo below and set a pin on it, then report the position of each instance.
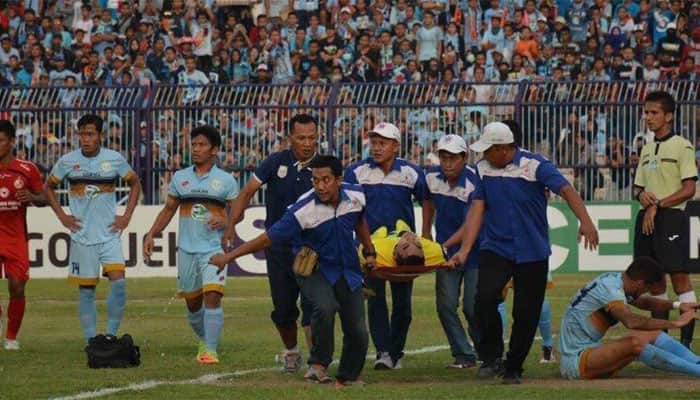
(87, 260)
(573, 366)
(196, 276)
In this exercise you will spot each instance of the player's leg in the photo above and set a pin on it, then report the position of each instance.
(213, 284)
(284, 297)
(683, 287)
(493, 277)
(401, 316)
(189, 287)
(112, 261)
(668, 343)
(85, 272)
(545, 327)
(355, 336)
(447, 291)
(378, 319)
(471, 278)
(503, 312)
(17, 273)
(646, 246)
(321, 294)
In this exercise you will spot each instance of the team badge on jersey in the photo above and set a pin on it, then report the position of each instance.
(282, 171)
(216, 184)
(19, 183)
(4, 192)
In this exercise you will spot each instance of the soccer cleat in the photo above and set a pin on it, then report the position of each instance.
(548, 355)
(208, 357)
(317, 374)
(11, 344)
(397, 364)
(291, 361)
(201, 349)
(384, 361)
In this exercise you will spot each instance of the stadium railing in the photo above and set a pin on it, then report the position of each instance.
(592, 130)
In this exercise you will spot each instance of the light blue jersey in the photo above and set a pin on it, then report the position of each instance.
(200, 198)
(588, 316)
(91, 183)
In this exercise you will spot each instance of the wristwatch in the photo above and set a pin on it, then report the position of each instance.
(658, 203)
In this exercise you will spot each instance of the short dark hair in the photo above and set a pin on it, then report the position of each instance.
(646, 269)
(517, 132)
(93, 119)
(668, 104)
(328, 161)
(7, 128)
(303, 119)
(212, 134)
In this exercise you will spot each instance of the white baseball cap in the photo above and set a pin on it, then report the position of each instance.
(387, 130)
(494, 133)
(452, 144)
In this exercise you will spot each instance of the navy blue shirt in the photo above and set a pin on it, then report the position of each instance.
(328, 231)
(286, 180)
(452, 204)
(389, 197)
(515, 223)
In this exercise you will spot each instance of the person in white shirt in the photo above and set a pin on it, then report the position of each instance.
(84, 21)
(428, 41)
(201, 30)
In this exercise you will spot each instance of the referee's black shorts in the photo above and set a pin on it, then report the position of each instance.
(669, 244)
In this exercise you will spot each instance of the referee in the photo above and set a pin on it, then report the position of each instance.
(510, 198)
(665, 181)
(287, 176)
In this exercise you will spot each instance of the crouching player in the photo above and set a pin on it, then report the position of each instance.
(603, 302)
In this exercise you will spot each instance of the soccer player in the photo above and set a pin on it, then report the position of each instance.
(287, 176)
(202, 192)
(390, 185)
(451, 185)
(664, 182)
(324, 220)
(603, 302)
(20, 185)
(92, 173)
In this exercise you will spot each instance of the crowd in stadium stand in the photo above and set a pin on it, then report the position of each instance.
(492, 44)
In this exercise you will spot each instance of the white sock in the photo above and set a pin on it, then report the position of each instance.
(663, 296)
(687, 297)
(294, 349)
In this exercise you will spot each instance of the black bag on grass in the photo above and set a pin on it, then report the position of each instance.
(107, 351)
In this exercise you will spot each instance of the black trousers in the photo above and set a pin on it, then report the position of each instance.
(529, 285)
(285, 289)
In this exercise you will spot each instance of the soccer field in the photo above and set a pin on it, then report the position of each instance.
(52, 363)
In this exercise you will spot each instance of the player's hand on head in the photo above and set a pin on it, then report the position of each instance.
(220, 260)
(216, 222)
(72, 223)
(120, 223)
(590, 235)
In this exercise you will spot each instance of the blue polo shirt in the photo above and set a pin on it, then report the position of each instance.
(452, 205)
(515, 223)
(286, 181)
(328, 231)
(389, 197)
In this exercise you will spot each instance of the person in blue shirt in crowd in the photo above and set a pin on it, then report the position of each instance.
(390, 184)
(201, 192)
(511, 202)
(451, 186)
(324, 220)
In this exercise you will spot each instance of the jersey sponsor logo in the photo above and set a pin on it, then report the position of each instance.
(673, 237)
(91, 191)
(282, 171)
(19, 183)
(200, 212)
(216, 184)
(4, 192)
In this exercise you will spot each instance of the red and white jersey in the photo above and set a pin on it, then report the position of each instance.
(18, 174)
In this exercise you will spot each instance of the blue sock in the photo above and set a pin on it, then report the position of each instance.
(504, 318)
(213, 322)
(658, 358)
(197, 322)
(666, 342)
(546, 324)
(115, 305)
(87, 312)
